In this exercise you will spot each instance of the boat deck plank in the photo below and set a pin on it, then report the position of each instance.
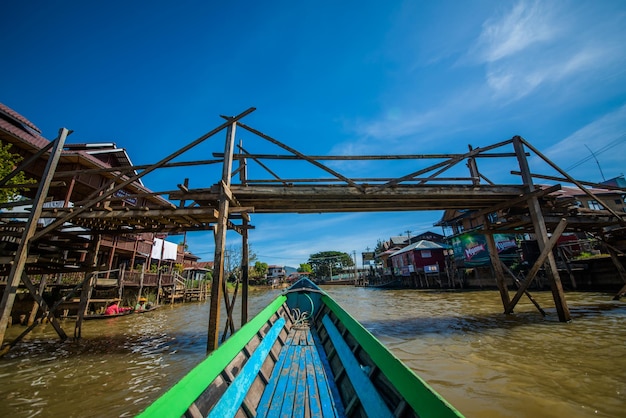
(299, 367)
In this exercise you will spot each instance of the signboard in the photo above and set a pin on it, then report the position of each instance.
(124, 196)
(369, 256)
(431, 269)
(471, 248)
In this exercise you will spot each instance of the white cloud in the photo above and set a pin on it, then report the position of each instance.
(536, 45)
(527, 24)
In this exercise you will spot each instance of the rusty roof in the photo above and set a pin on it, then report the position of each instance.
(18, 127)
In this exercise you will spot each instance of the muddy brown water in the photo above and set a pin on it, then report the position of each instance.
(485, 363)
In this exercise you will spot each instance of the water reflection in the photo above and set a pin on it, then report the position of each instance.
(485, 363)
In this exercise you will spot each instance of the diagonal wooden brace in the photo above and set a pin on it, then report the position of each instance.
(535, 269)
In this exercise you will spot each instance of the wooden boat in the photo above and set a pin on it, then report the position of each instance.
(303, 355)
(146, 310)
(103, 316)
(390, 284)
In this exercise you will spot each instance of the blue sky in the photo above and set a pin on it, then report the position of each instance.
(352, 77)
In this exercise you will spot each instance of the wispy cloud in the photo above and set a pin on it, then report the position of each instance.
(539, 44)
(605, 137)
(527, 24)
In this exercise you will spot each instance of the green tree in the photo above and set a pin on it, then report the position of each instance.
(260, 269)
(380, 247)
(8, 162)
(326, 263)
(305, 268)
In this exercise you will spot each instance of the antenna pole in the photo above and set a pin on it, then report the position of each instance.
(597, 162)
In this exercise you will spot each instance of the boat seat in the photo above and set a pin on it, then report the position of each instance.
(367, 394)
(299, 385)
(234, 396)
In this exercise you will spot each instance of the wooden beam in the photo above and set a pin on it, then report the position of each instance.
(572, 180)
(25, 164)
(301, 155)
(518, 284)
(220, 241)
(514, 202)
(21, 255)
(130, 169)
(136, 177)
(565, 180)
(497, 266)
(361, 157)
(450, 162)
(541, 233)
(547, 250)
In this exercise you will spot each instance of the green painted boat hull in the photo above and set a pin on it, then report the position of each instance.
(341, 341)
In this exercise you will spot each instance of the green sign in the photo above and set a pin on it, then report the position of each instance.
(471, 249)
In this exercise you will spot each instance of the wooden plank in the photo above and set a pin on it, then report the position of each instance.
(313, 395)
(301, 391)
(292, 378)
(364, 388)
(231, 400)
(276, 384)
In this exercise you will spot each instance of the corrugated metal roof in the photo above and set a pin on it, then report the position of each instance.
(420, 245)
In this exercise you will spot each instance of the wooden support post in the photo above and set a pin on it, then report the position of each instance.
(35, 309)
(220, 241)
(47, 312)
(497, 266)
(88, 283)
(473, 168)
(517, 282)
(230, 307)
(21, 255)
(111, 255)
(535, 268)
(620, 270)
(141, 275)
(83, 305)
(568, 267)
(120, 280)
(33, 291)
(245, 267)
(158, 297)
(541, 232)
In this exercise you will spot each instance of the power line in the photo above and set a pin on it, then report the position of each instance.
(600, 151)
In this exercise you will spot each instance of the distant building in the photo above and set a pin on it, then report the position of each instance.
(421, 256)
(275, 272)
(429, 236)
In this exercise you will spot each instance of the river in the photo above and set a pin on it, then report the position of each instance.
(485, 363)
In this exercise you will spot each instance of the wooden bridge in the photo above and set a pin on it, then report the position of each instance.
(228, 203)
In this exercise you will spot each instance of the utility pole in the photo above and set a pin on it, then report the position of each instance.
(356, 275)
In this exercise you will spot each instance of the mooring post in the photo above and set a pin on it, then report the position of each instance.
(541, 232)
(220, 241)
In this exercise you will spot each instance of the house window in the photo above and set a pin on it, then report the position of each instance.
(593, 204)
(426, 254)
